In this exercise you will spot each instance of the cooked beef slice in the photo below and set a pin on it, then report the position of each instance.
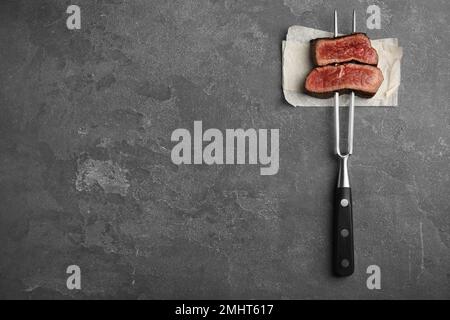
(364, 80)
(355, 47)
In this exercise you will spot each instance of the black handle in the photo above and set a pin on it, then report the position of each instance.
(343, 259)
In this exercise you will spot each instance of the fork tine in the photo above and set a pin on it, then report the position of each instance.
(336, 100)
(354, 21)
(351, 111)
(335, 23)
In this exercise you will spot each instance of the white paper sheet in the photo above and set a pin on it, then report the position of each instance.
(297, 64)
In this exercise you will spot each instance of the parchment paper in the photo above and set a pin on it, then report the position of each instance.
(297, 64)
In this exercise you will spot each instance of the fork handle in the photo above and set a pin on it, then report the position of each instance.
(343, 256)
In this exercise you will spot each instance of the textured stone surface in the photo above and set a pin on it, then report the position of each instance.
(86, 176)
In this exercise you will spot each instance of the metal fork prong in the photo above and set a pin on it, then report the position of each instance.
(351, 116)
(336, 101)
(354, 21)
(335, 24)
(336, 124)
(351, 111)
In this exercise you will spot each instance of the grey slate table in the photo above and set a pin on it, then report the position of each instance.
(86, 176)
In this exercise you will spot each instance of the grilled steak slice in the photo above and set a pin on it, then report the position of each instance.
(355, 47)
(363, 79)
